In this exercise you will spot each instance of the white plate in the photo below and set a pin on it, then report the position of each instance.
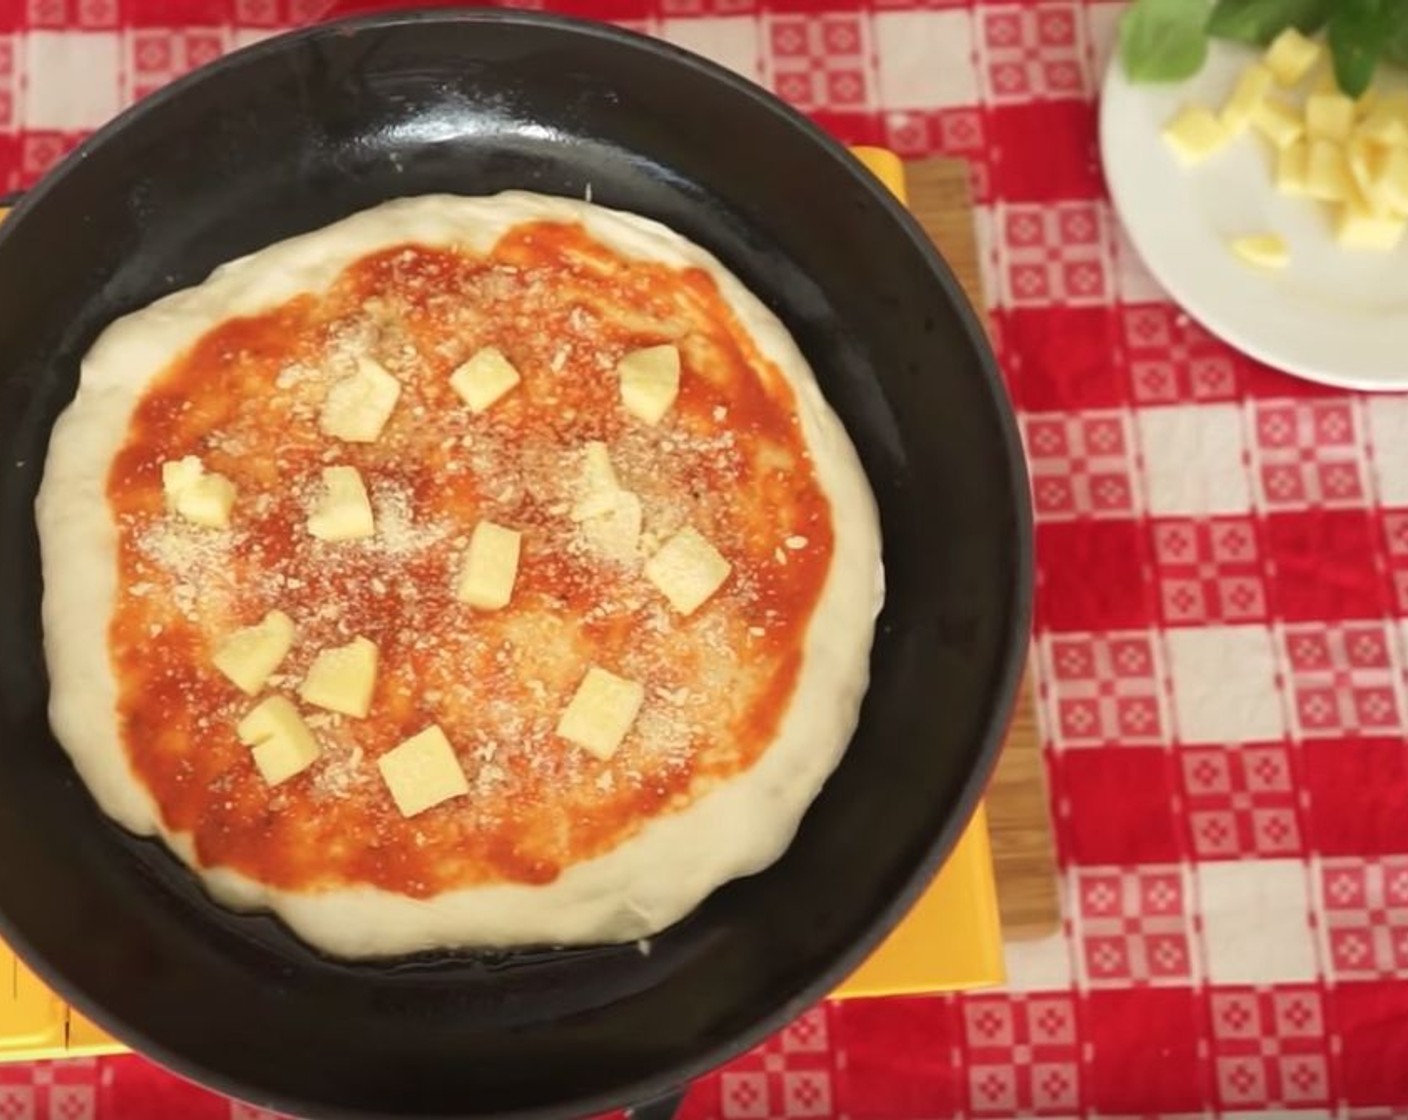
(1333, 315)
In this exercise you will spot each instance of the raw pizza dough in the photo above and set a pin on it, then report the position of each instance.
(640, 887)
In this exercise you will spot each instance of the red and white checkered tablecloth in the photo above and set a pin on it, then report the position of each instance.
(1222, 627)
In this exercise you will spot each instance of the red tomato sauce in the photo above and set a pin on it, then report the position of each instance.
(729, 459)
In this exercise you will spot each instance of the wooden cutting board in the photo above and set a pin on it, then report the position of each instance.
(1019, 814)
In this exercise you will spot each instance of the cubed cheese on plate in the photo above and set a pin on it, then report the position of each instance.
(1250, 91)
(1264, 250)
(1291, 56)
(1364, 230)
(1327, 175)
(1291, 167)
(1195, 134)
(1278, 122)
(1392, 184)
(1329, 116)
(1387, 122)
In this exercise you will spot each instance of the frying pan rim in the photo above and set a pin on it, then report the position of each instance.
(883, 920)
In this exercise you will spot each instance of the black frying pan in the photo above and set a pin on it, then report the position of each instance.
(302, 130)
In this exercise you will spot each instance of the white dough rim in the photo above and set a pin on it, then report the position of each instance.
(645, 884)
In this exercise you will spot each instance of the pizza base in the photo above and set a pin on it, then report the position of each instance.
(645, 884)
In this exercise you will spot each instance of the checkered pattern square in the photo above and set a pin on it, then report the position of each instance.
(1172, 359)
(1226, 684)
(1033, 51)
(1081, 465)
(1103, 689)
(1241, 801)
(710, 7)
(1133, 926)
(1194, 459)
(1366, 916)
(1209, 571)
(1308, 454)
(156, 55)
(40, 151)
(57, 1091)
(1117, 804)
(94, 15)
(821, 60)
(284, 13)
(959, 133)
(1395, 531)
(1023, 1055)
(789, 1076)
(9, 83)
(1279, 892)
(925, 58)
(1271, 1048)
(1054, 255)
(1343, 679)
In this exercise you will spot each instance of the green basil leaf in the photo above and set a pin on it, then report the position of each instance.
(1163, 40)
(1260, 21)
(1358, 33)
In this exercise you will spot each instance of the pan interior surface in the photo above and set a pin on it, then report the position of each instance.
(296, 133)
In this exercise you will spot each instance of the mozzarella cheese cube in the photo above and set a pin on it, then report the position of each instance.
(1366, 161)
(1291, 55)
(1327, 175)
(1329, 116)
(1362, 229)
(1195, 134)
(250, 656)
(611, 518)
(1265, 250)
(283, 745)
(490, 567)
(601, 712)
(1387, 122)
(1291, 168)
(343, 512)
(687, 570)
(1251, 90)
(650, 382)
(598, 475)
(422, 772)
(200, 497)
(486, 377)
(208, 501)
(1392, 184)
(1278, 122)
(1325, 80)
(342, 679)
(178, 475)
(357, 408)
(611, 524)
